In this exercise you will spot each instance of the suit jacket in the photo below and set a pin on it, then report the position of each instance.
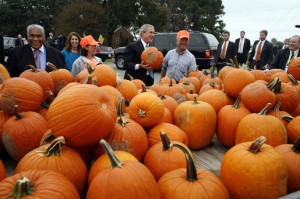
(281, 58)
(230, 52)
(266, 54)
(132, 56)
(21, 56)
(19, 42)
(1, 50)
(246, 47)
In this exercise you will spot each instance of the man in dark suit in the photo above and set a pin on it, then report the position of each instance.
(226, 51)
(242, 48)
(262, 52)
(19, 41)
(1, 49)
(34, 53)
(284, 56)
(133, 65)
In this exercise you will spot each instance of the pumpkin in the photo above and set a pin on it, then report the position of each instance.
(174, 133)
(163, 157)
(287, 95)
(294, 83)
(22, 133)
(198, 120)
(209, 86)
(29, 99)
(131, 177)
(61, 77)
(293, 128)
(4, 74)
(260, 124)
(194, 80)
(254, 170)
(146, 109)
(259, 75)
(256, 95)
(236, 80)
(169, 102)
(224, 71)
(190, 96)
(205, 76)
(115, 95)
(214, 97)
(82, 114)
(68, 86)
(168, 117)
(212, 78)
(41, 77)
(3, 118)
(283, 76)
(271, 72)
(227, 122)
(144, 90)
(294, 68)
(56, 157)
(296, 112)
(45, 105)
(188, 87)
(276, 112)
(166, 80)
(126, 88)
(137, 82)
(190, 182)
(291, 155)
(153, 57)
(2, 171)
(195, 73)
(38, 184)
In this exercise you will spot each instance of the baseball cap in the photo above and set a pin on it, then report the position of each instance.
(88, 40)
(183, 34)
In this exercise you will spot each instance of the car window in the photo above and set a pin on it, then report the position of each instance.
(211, 39)
(162, 43)
(196, 40)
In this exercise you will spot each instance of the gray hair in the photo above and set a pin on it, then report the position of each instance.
(145, 27)
(296, 36)
(35, 26)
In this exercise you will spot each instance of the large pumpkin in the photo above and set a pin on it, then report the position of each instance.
(198, 120)
(38, 184)
(83, 114)
(190, 182)
(3, 118)
(293, 128)
(4, 74)
(291, 155)
(254, 170)
(146, 109)
(22, 133)
(153, 57)
(124, 180)
(294, 68)
(29, 99)
(59, 158)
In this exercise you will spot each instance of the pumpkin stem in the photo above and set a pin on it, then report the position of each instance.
(293, 80)
(273, 83)
(162, 97)
(95, 81)
(171, 75)
(191, 171)
(141, 113)
(32, 67)
(47, 102)
(236, 104)
(17, 114)
(52, 66)
(212, 74)
(287, 118)
(195, 100)
(90, 71)
(144, 89)
(277, 106)
(50, 136)
(54, 149)
(205, 72)
(277, 88)
(265, 109)
(120, 108)
(171, 82)
(23, 187)
(296, 147)
(115, 162)
(165, 141)
(212, 84)
(191, 92)
(130, 77)
(256, 145)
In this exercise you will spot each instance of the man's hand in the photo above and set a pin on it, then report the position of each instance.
(145, 66)
(266, 66)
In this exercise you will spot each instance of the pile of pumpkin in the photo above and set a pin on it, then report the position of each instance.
(88, 136)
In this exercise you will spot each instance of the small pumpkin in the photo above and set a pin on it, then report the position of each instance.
(168, 117)
(209, 86)
(127, 88)
(259, 75)
(3, 118)
(45, 105)
(224, 71)
(169, 102)
(276, 112)
(194, 80)
(296, 112)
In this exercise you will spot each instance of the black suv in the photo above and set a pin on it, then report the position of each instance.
(202, 45)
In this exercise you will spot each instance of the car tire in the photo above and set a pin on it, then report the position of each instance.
(103, 60)
(120, 62)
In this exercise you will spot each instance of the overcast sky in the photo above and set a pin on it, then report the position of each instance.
(278, 17)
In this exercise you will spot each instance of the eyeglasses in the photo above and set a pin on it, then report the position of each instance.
(36, 35)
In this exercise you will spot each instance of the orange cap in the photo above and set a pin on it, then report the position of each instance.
(183, 34)
(88, 40)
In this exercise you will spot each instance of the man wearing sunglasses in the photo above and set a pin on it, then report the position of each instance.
(34, 53)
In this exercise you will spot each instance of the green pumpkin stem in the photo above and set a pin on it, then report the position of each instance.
(296, 146)
(212, 84)
(95, 81)
(277, 88)
(265, 110)
(191, 171)
(273, 83)
(120, 108)
(22, 188)
(277, 106)
(47, 102)
(130, 77)
(171, 82)
(165, 141)
(162, 97)
(17, 114)
(256, 144)
(205, 72)
(50, 136)
(51, 65)
(236, 104)
(115, 162)
(287, 118)
(32, 67)
(195, 100)
(293, 80)
(54, 149)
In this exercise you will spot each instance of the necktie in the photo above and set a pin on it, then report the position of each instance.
(223, 51)
(257, 56)
(150, 71)
(292, 56)
(36, 59)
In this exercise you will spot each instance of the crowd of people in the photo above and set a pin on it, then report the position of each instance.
(79, 52)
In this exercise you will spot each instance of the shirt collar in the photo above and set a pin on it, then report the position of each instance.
(296, 51)
(42, 49)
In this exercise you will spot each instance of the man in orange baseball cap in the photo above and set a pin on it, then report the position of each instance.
(183, 34)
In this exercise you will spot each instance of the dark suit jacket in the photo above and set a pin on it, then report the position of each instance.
(246, 47)
(1, 50)
(230, 52)
(19, 42)
(132, 56)
(266, 54)
(281, 58)
(21, 56)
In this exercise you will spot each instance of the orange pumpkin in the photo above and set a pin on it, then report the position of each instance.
(168, 117)
(68, 86)
(212, 78)
(124, 177)
(191, 96)
(294, 83)
(293, 128)
(59, 158)
(188, 87)
(259, 75)
(137, 82)
(38, 184)
(194, 80)
(296, 112)
(29, 99)
(271, 72)
(166, 80)
(209, 86)
(126, 88)
(294, 68)
(45, 105)
(2, 171)
(153, 57)
(276, 112)
(113, 93)
(224, 71)
(291, 155)
(254, 170)
(214, 97)
(195, 73)
(169, 102)
(144, 90)
(3, 118)
(4, 74)
(283, 76)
